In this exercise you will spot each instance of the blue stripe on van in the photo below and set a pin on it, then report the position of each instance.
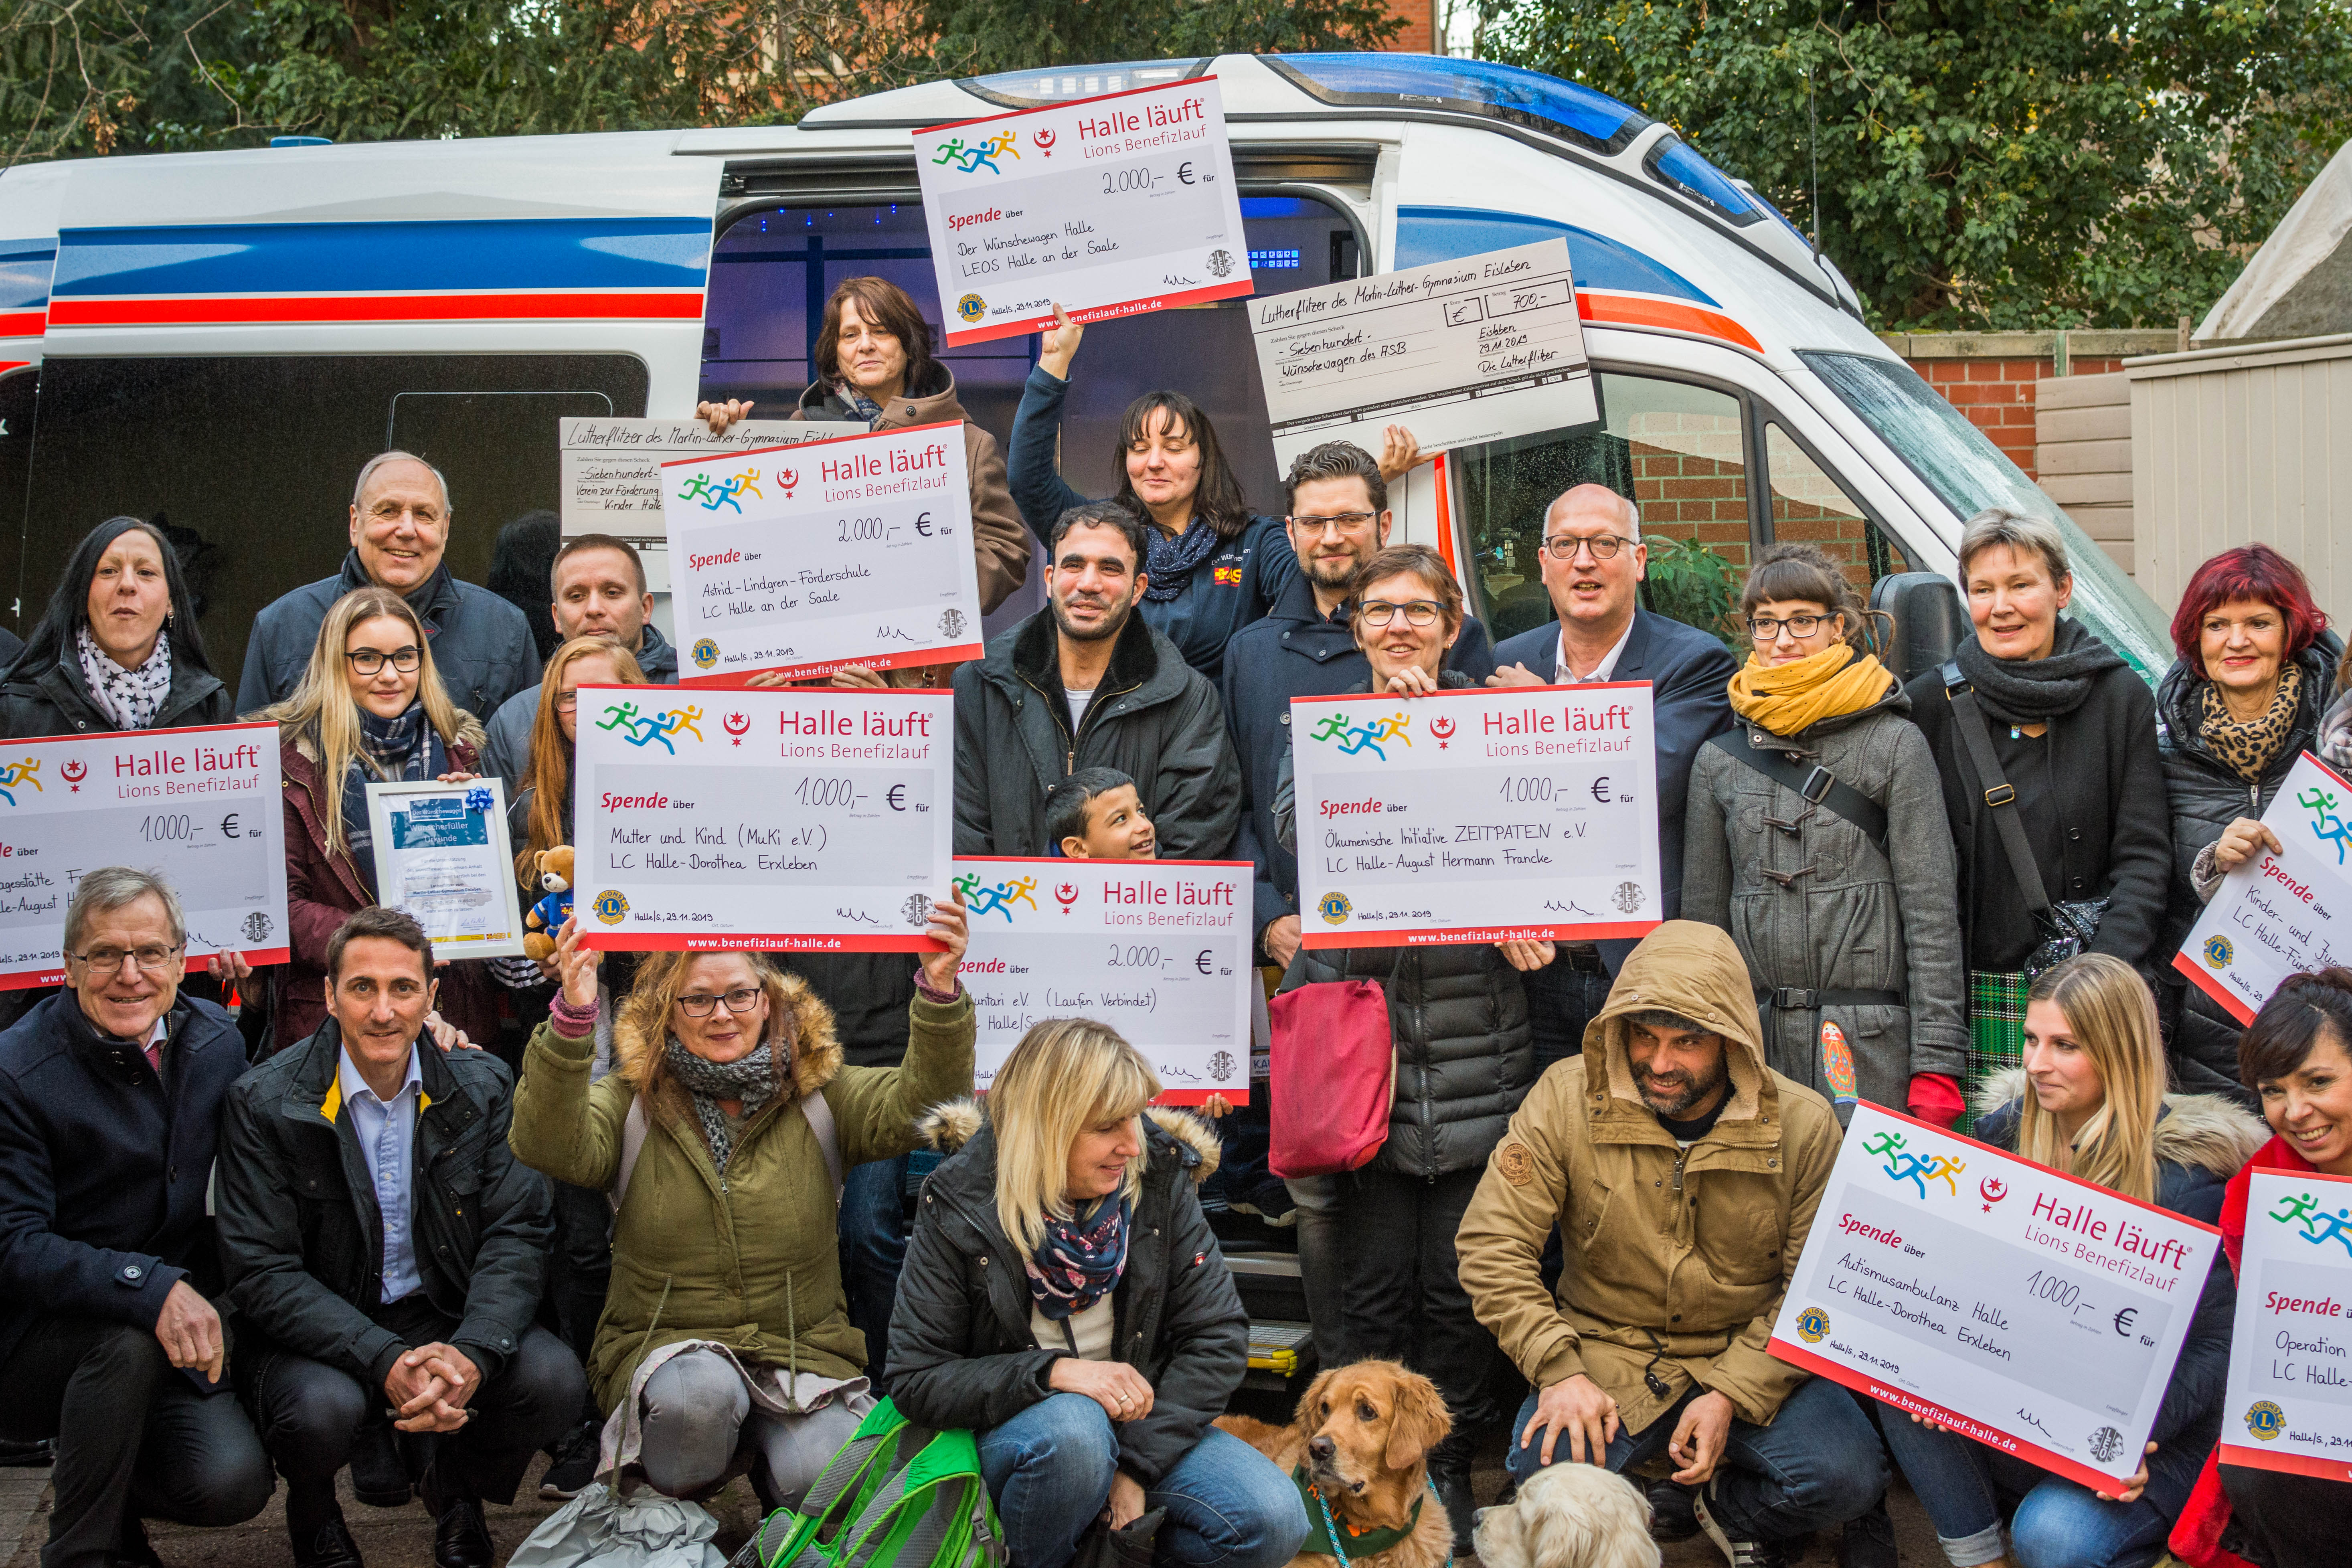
(402, 258)
(1430, 235)
(24, 268)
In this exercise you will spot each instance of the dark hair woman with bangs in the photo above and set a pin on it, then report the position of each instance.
(2241, 701)
(1214, 566)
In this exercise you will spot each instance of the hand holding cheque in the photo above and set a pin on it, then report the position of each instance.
(2289, 885)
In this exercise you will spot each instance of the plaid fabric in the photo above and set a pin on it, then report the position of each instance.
(1996, 1030)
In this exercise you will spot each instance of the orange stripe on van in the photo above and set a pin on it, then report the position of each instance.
(21, 323)
(325, 307)
(1646, 310)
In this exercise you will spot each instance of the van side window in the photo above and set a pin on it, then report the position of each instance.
(1808, 504)
(1676, 449)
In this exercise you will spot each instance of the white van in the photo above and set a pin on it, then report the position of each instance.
(221, 338)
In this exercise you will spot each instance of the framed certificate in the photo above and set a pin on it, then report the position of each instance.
(2289, 1404)
(2035, 1313)
(441, 854)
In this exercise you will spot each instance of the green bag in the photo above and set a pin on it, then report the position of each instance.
(896, 1496)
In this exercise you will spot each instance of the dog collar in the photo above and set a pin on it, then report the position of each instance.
(1332, 1539)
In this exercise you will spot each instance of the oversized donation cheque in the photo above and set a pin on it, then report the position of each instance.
(2289, 1404)
(1529, 812)
(1110, 205)
(200, 807)
(2280, 915)
(1159, 949)
(2035, 1313)
(800, 560)
(804, 819)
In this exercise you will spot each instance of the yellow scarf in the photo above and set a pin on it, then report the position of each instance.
(1785, 698)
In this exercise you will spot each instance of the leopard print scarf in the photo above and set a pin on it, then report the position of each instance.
(2248, 749)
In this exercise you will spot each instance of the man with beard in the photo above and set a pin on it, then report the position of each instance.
(1683, 1173)
(1086, 683)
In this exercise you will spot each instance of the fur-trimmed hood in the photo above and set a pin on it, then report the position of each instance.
(812, 1052)
(950, 1125)
(2196, 1132)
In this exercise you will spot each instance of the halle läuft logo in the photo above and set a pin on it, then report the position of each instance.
(1812, 1323)
(642, 730)
(1919, 1170)
(1352, 739)
(2265, 1420)
(610, 907)
(1334, 908)
(15, 775)
(2218, 952)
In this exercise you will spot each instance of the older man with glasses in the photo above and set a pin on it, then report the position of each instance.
(111, 1092)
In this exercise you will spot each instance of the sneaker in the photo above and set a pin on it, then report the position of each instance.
(1671, 1519)
(1739, 1552)
(1869, 1542)
(27, 1456)
(573, 1462)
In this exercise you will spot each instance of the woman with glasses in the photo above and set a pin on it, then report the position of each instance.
(370, 707)
(1789, 843)
(722, 1137)
(1464, 1060)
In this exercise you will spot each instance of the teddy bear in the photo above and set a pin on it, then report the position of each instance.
(548, 915)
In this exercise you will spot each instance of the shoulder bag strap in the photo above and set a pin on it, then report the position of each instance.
(1999, 797)
(633, 1144)
(1816, 784)
(828, 1136)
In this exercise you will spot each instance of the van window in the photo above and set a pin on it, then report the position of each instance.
(1676, 449)
(1809, 505)
(247, 462)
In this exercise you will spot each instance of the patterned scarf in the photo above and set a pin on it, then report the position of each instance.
(1170, 559)
(405, 750)
(865, 407)
(1080, 1259)
(751, 1078)
(2248, 749)
(2034, 690)
(129, 697)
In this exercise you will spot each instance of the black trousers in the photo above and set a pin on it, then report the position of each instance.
(2281, 1520)
(135, 1439)
(1404, 1300)
(310, 1414)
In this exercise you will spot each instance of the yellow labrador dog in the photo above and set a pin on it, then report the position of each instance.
(1568, 1516)
(1361, 1437)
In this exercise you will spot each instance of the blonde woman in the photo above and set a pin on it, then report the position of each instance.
(371, 706)
(2090, 1101)
(1064, 1298)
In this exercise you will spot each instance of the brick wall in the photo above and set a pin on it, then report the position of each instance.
(1991, 376)
(1418, 36)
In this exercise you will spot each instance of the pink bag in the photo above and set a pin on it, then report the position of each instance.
(1334, 1077)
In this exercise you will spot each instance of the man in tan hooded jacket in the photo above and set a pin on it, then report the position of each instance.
(1683, 1175)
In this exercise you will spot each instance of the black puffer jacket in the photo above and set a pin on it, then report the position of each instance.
(36, 703)
(961, 1351)
(2206, 795)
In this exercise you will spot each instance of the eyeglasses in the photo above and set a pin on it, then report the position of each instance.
(1764, 629)
(565, 701)
(152, 959)
(1341, 521)
(1419, 613)
(369, 660)
(698, 1004)
(1604, 546)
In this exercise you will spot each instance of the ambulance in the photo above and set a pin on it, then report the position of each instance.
(220, 339)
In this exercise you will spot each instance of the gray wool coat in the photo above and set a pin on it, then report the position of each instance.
(1812, 904)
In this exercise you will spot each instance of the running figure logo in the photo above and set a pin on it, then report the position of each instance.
(1917, 1170)
(642, 730)
(2302, 1210)
(1355, 738)
(999, 898)
(16, 774)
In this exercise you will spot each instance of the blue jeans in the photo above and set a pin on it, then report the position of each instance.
(1050, 1468)
(1817, 1465)
(873, 1230)
(2059, 1523)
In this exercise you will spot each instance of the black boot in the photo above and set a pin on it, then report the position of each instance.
(314, 1524)
(379, 1468)
(1671, 1517)
(461, 1537)
(1869, 1542)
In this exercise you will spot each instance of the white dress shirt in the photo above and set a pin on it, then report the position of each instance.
(1566, 676)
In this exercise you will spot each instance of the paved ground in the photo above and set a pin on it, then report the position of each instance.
(402, 1538)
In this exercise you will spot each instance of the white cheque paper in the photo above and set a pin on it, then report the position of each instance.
(1111, 206)
(1462, 352)
(800, 560)
(2280, 915)
(611, 468)
(200, 807)
(802, 818)
(1526, 812)
(2035, 1313)
(2289, 1404)
(1158, 949)
(442, 854)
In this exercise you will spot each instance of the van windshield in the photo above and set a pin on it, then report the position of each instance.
(1968, 473)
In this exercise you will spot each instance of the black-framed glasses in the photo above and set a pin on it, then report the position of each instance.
(1764, 629)
(1343, 521)
(1604, 546)
(152, 958)
(1417, 613)
(370, 661)
(698, 1004)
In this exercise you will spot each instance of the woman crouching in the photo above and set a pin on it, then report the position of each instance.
(1065, 1299)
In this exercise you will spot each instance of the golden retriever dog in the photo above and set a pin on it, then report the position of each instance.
(1364, 1432)
(1568, 1516)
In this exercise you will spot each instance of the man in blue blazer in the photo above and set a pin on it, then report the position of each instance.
(1594, 561)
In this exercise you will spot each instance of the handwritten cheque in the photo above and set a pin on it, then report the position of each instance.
(2289, 1404)
(799, 559)
(2031, 1312)
(199, 806)
(1476, 815)
(2280, 915)
(1158, 949)
(797, 820)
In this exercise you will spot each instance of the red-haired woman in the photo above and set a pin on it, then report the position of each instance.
(2240, 702)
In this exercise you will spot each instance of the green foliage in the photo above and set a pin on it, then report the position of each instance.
(1987, 163)
(980, 37)
(1688, 582)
